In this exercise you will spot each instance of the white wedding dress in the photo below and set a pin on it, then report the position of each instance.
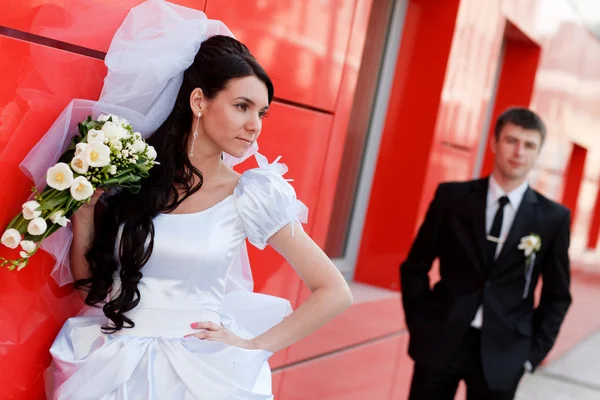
(198, 271)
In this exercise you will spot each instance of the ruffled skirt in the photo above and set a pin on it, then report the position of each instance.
(154, 362)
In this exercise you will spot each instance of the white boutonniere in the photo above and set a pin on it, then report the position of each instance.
(531, 245)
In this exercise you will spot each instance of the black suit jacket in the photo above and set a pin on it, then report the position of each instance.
(513, 330)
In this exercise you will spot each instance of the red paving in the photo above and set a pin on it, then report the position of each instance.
(382, 370)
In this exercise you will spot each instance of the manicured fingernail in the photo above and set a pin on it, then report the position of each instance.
(194, 325)
(186, 336)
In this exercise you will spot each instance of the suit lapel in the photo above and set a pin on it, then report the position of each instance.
(525, 214)
(477, 203)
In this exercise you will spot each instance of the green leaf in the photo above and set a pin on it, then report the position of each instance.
(54, 202)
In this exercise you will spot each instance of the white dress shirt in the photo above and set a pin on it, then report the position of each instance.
(495, 192)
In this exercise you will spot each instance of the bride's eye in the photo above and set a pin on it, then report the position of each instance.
(242, 106)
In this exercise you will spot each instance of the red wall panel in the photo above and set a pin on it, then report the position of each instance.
(89, 24)
(341, 119)
(35, 89)
(406, 141)
(573, 177)
(302, 44)
(515, 88)
(595, 225)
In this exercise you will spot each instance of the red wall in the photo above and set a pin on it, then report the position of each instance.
(312, 49)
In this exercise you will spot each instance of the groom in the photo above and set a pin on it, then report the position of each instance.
(494, 238)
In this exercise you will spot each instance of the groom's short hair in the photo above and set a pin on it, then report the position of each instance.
(522, 117)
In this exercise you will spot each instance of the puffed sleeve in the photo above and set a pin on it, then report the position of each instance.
(266, 202)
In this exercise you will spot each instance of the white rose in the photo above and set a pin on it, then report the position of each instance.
(81, 189)
(138, 145)
(95, 136)
(122, 121)
(11, 238)
(80, 148)
(103, 117)
(137, 136)
(116, 144)
(111, 130)
(37, 226)
(30, 210)
(57, 218)
(28, 246)
(151, 153)
(59, 177)
(530, 244)
(79, 165)
(97, 155)
(124, 133)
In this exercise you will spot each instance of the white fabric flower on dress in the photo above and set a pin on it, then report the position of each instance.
(59, 177)
(30, 210)
(37, 226)
(11, 238)
(81, 189)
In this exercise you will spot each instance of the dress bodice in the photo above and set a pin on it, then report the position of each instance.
(197, 256)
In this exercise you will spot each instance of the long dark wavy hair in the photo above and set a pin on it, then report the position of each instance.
(219, 60)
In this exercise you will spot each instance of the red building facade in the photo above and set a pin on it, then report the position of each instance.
(377, 101)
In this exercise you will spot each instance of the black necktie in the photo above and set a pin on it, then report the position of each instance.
(494, 235)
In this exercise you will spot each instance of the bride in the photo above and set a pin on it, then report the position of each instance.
(168, 265)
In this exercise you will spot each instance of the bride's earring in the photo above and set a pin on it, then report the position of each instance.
(195, 135)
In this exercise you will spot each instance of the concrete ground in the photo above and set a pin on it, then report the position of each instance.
(573, 376)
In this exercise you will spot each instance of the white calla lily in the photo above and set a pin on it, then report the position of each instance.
(81, 189)
(59, 177)
(30, 210)
(79, 165)
(95, 136)
(96, 155)
(28, 246)
(11, 238)
(58, 218)
(37, 226)
(80, 148)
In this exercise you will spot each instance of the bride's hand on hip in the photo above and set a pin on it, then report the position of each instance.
(218, 333)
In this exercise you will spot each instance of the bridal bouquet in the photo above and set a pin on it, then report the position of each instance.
(106, 153)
